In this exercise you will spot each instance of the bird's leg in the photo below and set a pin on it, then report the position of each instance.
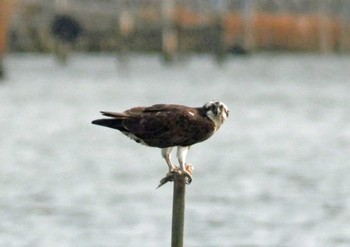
(169, 177)
(166, 155)
(184, 168)
(181, 155)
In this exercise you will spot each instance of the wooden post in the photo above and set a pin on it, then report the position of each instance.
(178, 218)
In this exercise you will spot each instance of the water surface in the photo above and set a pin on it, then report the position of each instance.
(276, 174)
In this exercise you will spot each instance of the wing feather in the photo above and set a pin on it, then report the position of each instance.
(113, 114)
(162, 125)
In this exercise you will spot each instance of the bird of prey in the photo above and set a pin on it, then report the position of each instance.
(167, 126)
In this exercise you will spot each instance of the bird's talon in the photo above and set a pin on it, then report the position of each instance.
(188, 173)
(188, 177)
(177, 171)
(171, 174)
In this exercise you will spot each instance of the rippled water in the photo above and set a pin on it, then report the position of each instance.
(276, 174)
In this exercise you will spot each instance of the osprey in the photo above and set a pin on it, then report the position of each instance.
(167, 126)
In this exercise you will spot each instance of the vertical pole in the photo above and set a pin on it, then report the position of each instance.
(2, 72)
(126, 28)
(324, 27)
(177, 231)
(344, 41)
(221, 9)
(248, 24)
(61, 46)
(5, 15)
(169, 33)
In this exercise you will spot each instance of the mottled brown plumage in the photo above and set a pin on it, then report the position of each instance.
(162, 125)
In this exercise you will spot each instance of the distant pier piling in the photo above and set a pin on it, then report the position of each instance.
(220, 47)
(126, 27)
(66, 31)
(248, 25)
(325, 43)
(2, 72)
(169, 32)
(5, 15)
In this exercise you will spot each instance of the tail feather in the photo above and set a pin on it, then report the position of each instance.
(114, 114)
(110, 123)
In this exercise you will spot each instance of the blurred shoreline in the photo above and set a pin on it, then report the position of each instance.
(237, 27)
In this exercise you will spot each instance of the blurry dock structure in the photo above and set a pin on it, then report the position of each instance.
(187, 26)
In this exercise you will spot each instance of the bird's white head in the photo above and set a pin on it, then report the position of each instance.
(217, 112)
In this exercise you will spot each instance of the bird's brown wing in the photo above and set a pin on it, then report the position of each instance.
(162, 125)
(169, 125)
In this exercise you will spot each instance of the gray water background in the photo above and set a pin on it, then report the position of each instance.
(276, 174)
